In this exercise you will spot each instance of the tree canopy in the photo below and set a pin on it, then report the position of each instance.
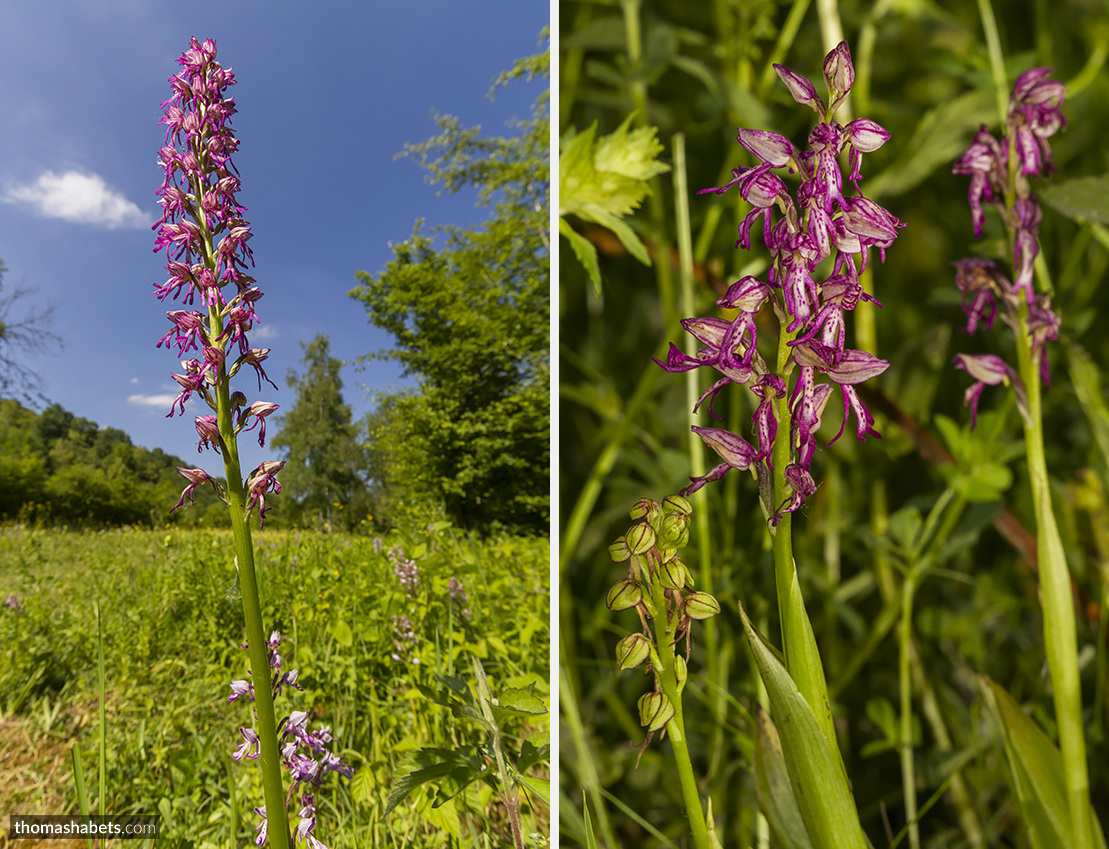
(471, 322)
(322, 456)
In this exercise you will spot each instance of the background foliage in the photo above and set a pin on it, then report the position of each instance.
(702, 70)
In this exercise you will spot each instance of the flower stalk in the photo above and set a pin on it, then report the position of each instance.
(1000, 172)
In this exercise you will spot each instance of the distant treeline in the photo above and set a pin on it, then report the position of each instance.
(61, 469)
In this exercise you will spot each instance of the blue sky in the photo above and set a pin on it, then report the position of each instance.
(327, 94)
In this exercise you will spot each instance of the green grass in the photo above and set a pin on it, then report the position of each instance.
(172, 625)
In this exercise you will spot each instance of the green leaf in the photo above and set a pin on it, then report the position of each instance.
(941, 135)
(457, 780)
(904, 527)
(773, 786)
(1083, 199)
(1037, 769)
(531, 754)
(418, 768)
(537, 786)
(604, 181)
(340, 630)
(445, 816)
(362, 784)
(584, 251)
(815, 767)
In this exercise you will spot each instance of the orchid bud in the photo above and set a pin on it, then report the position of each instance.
(677, 504)
(623, 595)
(640, 538)
(681, 672)
(672, 574)
(839, 73)
(701, 605)
(619, 551)
(632, 651)
(655, 711)
(771, 148)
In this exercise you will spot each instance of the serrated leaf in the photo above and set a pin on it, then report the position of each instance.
(522, 701)
(584, 251)
(1083, 199)
(1038, 774)
(457, 780)
(815, 769)
(605, 180)
(362, 784)
(418, 768)
(773, 787)
(537, 786)
(940, 137)
(530, 755)
(445, 816)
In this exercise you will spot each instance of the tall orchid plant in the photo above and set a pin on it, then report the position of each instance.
(206, 238)
(1000, 172)
(819, 222)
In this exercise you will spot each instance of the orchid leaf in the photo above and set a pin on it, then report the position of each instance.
(773, 787)
(1037, 771)
(815, 769)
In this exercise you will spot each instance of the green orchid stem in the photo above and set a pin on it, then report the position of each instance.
(273, 791)
(666, 628)
(908, 771)
(1060, 639)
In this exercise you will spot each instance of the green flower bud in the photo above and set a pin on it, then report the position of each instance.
(644, 507)
(640, 538)
(619, 551)
(655, 711)
(624, 594)
(701, 606)
(673, 527)
(677, 504)
(680, 671)
(632, 651)
(672, 574)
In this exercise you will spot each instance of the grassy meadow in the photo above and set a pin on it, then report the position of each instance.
(172, 628)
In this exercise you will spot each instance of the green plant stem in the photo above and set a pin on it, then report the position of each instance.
(666, 627)
(782, 45)
(272, 784)
(908, 772)
(1060, 639)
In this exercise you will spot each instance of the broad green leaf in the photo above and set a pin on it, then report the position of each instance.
(904, 526)
(604, 180)
(419, 768)
(584, 251)
(530, 754)
(815, 767)
(340, 630)
(773, 787)
(940, 137)
(1037, 768)
(456, 781)
(445, 816)
(1084, 199)
(514, 701)
(538, 786)
(362, 784)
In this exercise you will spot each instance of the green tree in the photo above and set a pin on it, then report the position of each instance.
(471, 322)
(323, 459)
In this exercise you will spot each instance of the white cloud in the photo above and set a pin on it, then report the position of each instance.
(151, 400)
(135, 380)
(263, 331)
(80, 198)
